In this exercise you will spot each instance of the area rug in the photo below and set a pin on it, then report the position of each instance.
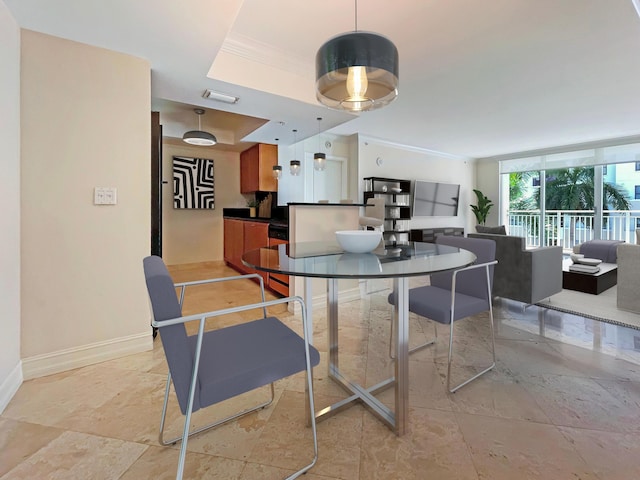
(597, 307)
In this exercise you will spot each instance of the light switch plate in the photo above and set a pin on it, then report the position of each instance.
(105, 196)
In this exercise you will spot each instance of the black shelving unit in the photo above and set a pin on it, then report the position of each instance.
(397, 195)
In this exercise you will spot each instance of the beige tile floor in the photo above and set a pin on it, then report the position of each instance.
(563, 403)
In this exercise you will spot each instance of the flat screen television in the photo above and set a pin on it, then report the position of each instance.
(433, 199)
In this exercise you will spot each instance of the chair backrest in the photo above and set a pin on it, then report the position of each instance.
(473, 282)
(165, 306)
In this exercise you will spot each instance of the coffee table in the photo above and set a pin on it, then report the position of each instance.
(594, 283)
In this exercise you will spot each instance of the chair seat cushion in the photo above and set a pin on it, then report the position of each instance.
(435, 303)
(242, 357)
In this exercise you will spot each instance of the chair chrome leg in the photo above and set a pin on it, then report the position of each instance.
(164, 413)
(493, 346)
(312, 416)
(209, 426)
(417, 347)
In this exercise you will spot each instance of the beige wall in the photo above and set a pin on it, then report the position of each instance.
(85, 123)
(10, 368)
(190, 235)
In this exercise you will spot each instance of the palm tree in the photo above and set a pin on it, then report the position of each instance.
(574, 189)
(566, 189)
(518, 182)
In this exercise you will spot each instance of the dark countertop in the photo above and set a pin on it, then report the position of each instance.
(311, 204)
(252, 219)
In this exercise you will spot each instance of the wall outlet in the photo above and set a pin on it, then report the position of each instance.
(105, 196)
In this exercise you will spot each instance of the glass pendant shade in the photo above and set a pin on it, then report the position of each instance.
(294, 167)
(319, 161)
(198, 137)
(319, 158)
(357, 71)
(277, 172)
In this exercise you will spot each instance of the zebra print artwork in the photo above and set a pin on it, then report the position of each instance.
(192, 183)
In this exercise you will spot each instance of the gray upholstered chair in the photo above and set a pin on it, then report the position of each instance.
(525, 275)
(453, 296)
(216, 365)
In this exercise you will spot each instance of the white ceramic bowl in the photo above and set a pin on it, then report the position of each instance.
(358, 241)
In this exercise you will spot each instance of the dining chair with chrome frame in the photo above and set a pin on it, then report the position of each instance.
(219, 364)
(453, 296)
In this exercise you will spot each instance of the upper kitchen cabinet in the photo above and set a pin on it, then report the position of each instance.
(256, 168)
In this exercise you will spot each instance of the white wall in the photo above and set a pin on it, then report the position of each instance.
(409, 163)
(85, 122)
(488, 182)
(190, 235)
(10, 366)
(300, 188)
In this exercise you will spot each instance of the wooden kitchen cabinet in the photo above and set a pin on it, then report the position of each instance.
(233, 241)
(256, 168)
(240, 236)
(256, 235)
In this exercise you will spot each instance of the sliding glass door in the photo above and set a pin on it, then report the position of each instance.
(570, 197)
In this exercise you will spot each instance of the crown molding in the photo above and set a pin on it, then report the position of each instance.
(368, 139)
(254, 50)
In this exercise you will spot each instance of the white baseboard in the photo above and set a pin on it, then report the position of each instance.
(10, 386)
(76, 357)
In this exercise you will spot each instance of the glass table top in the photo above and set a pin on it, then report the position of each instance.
(328, 260)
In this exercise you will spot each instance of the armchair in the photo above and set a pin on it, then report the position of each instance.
(216, 365)
(527, 276)
(628, 277)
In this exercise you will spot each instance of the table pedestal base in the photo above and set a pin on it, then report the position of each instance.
(395, 419)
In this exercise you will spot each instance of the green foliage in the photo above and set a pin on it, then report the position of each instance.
(518, 190)
(573, 189)
(567, 189)
(252, 203)
(481, 210)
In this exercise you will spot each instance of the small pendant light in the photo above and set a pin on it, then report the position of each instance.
(357, 71)
(294, 165)
(277, 169)
(319, 158)
(198, 137)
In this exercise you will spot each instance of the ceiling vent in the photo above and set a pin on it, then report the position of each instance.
(220, 97)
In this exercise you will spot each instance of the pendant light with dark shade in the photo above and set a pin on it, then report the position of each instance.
(277, 169)
(198, 137)
(294, 165)
(357, 71)
(319, 158)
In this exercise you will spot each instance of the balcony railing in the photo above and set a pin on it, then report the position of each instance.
(571, 227)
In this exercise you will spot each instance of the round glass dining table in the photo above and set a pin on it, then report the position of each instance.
(398, 262)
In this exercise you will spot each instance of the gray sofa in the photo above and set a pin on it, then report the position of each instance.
(527, 276)
(605, 250)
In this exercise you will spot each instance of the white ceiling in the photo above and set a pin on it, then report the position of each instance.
(477, 78)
